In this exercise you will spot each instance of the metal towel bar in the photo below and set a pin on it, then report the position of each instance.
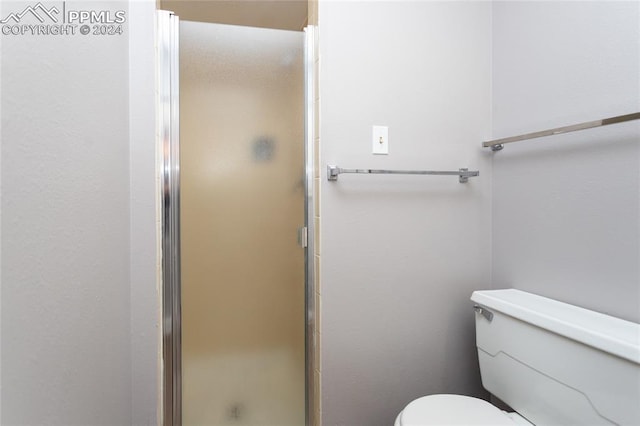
(463, 174)
(498, 144)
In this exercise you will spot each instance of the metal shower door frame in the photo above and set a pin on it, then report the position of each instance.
(167, 32)
(168, 97)
(311, 364)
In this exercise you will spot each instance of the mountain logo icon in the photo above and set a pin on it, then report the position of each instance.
(39, 11)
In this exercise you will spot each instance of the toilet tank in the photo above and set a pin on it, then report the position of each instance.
(555, 363)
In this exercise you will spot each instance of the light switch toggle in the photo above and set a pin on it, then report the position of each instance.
(380, 140)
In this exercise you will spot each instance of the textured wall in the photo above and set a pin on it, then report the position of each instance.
(144, 237)
(566, 219)
(66, 217)
(400, 255)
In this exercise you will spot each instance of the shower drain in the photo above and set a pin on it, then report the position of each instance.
(235, 411)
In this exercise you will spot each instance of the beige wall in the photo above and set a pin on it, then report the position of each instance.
(280, 14)
(242, 268)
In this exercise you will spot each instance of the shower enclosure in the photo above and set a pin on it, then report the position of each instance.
(236, 198)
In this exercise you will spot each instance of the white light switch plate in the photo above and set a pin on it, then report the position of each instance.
(380, 141)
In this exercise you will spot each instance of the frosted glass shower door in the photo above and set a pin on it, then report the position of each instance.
(242, 201)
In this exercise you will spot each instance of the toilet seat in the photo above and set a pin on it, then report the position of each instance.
(454, 410)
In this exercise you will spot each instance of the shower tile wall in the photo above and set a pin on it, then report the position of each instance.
(316, 415)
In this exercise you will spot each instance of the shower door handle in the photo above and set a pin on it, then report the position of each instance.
(303, 237)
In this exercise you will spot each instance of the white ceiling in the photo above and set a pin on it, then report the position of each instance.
(282, 14)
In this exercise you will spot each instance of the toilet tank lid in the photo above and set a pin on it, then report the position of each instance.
(613, 335)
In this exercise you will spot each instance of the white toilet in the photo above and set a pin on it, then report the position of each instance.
(553, 363)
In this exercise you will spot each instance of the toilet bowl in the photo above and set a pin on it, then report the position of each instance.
(455, 410)
(553, 363)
